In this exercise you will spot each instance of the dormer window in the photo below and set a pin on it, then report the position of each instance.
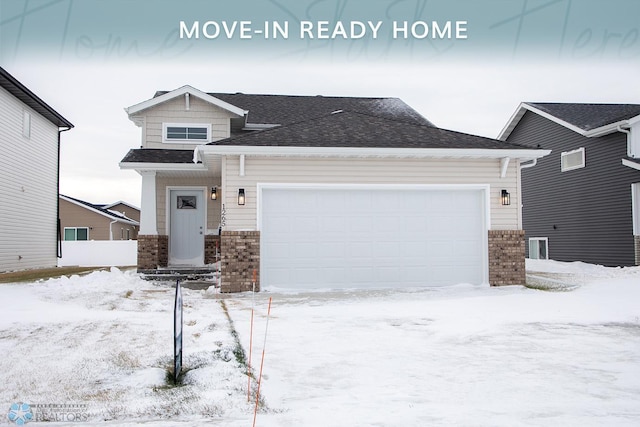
(186, 133)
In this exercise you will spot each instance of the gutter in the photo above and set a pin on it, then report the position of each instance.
(284, 151)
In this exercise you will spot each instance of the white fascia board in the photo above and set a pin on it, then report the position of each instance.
(179, 92)
(371, 152)
(89, 208)
(513, 121)
(141, 166)
(602, 130)
(631, 164)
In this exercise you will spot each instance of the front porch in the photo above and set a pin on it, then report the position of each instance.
(235, 254)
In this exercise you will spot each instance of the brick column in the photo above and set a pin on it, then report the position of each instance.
(153, 252)
(506, 257)
(240, 256)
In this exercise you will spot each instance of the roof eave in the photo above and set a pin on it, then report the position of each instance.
(90, 209)
(592, 133)
(524, 154)
(141, 166)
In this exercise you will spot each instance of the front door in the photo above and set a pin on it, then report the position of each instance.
(187, 227)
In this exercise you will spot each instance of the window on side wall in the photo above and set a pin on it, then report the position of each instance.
(570, 160)
(187, 133)
(76, 233)
(538, 248)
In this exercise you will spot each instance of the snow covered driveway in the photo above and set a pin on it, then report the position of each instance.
(460, 355)
(453, 356)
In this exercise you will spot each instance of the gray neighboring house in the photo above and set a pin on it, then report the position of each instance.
(582, 202)
(315, 191)
(29, 177)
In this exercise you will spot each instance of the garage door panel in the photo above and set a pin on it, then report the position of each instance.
(331, 237)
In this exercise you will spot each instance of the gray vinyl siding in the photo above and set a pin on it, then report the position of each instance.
(586, 213)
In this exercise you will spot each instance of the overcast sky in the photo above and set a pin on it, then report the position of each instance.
(89, 60)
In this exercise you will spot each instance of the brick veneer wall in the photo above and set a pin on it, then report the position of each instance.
(153, 252)
(240, 257)
(210, 242)
(637, 245)
(506, 257)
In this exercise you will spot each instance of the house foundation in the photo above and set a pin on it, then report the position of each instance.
(240, 258)
(507, 257)
(636, 240)
(153, 252)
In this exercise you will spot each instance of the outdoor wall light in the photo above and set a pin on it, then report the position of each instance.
(214, 193)
(505, 198)
(241, 198)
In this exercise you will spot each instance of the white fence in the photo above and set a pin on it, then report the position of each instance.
(99, 253)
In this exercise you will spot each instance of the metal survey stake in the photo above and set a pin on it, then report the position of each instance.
(177, 333)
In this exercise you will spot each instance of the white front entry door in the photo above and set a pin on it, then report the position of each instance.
(187, 227)
(345, 238)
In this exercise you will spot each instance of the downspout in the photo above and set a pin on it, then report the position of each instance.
(111, 228)
(529, 165)
(59, 237)
(628, 132)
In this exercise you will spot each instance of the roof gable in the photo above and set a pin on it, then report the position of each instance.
(20, 91)
(161, 97)
(586, 119)
(99, 210)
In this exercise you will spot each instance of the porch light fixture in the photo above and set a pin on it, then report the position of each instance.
(214, 193)
(505, 198)
(241, 198)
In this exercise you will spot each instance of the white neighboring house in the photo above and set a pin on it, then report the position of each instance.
(29, 177)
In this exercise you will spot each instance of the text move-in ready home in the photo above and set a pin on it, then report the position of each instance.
(323, 192)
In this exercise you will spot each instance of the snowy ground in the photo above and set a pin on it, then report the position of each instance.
(461, 355)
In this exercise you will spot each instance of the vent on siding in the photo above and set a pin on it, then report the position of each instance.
(573, 159)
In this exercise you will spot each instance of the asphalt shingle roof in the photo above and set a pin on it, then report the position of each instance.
(588, 116)
(285, 109)
(157, 155)
(353, 129)
(100, 208)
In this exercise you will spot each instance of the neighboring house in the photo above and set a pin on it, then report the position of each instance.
(29, 177)
(314, 191)
(124, 208)
(581, 203)
(82, 220)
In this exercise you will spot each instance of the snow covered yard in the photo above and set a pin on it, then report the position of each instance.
(461, 355)
(105, 340)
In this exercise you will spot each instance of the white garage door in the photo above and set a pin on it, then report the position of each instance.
(332, 237)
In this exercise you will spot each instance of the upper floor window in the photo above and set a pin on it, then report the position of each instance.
(573, 159)
(186, 132)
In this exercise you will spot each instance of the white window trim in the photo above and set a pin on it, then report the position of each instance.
(544, 239)
(64, 232)
(568, 153)
(186, 141)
